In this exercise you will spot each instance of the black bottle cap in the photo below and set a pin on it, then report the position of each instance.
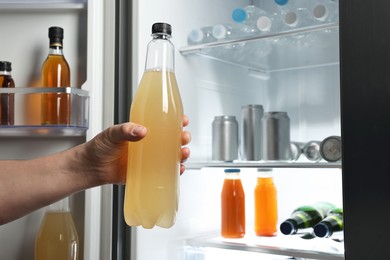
(288, 228)
(56, 32)
(162, 28)
(322, 230)
(5, 66)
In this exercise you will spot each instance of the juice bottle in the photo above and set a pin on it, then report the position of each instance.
(57, 237)
(266, 208)
(7, 100)
(232, 205)
(152, 184)
(55, 74)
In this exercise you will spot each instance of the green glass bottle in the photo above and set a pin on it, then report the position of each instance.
(332, 223)
(305, 217)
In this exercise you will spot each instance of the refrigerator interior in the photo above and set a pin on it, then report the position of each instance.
(24, 26)
(300, 77)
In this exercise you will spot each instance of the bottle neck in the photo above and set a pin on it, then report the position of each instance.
(61, 205)
(56, 47)
(5, 73)
(160, 54)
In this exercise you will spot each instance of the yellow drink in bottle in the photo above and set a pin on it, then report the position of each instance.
(57, 237)
(152, 184)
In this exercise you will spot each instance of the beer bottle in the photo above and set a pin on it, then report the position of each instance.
(6, 99)
(306, 216)
(56, 74)
(332, 223)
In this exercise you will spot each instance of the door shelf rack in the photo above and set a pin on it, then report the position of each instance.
(27, 112)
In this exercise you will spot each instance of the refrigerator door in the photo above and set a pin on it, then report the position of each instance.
(365, 105)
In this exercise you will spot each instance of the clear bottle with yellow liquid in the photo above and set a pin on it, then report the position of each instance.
(152, 184)
(57, 237)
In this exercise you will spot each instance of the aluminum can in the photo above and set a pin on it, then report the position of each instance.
(250, 138)
(225, 138)
(276, 144)
(312, 151)
(330, 148)
(296, 150)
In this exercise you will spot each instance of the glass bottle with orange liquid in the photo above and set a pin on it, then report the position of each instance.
(7, 100)
(152, 184)
(57, 237)
(55, 74)
(266, 206)
(232, 205)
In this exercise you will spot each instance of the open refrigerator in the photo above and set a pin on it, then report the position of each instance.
(320, 74)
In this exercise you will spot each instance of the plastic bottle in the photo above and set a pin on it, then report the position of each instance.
(332, 223)
(247, 17)
(266, 205)
(324, 10)
(152, 184)
(7, 100)
(305, 217)
(226, 31)
(232, 205)
(57, 237)
(294, 13)
(201, 35)
(55, 74)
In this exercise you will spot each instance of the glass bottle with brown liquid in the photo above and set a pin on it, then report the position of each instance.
(7, 99)
(232, 205)
(57, 237)
(56, 74)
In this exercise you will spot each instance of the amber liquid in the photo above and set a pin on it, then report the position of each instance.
(232, 208)
(7, 101)
(55, 106)
(57, 238)
(152, 184)
(266, 208)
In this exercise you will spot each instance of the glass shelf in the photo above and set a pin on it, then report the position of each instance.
(27, 112)
(260, 164)
(304, 47)
(291, 246)
(31, 5)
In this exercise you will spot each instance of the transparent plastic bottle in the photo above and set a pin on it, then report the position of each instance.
(294, 13)
(226, 31)
(324, 10)
(153, 169)
(201, 35)
(247, 17)
(57, 237)
(232, 205)
(266, 204)
(55, 74)
(7, 100)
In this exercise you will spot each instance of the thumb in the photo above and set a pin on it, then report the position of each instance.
(127, 132)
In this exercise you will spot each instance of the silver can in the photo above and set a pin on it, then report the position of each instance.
(225, 138)
(312, 151)
(250, 138)
(330, 148)
(276, 144)
(296, 150)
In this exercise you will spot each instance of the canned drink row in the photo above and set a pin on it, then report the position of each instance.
(265, 136)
